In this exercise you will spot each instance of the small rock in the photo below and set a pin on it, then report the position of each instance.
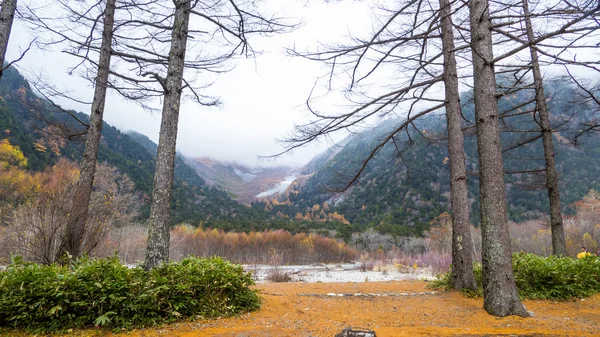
(356, 332)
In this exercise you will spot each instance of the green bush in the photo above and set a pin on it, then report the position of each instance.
(538, 277)
(103, 292)
(560, 278)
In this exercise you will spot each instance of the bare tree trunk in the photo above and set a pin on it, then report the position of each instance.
(462, 259)
(157, 251)
(7, 14)
(500, 297)
(75, 230)
(559, 246)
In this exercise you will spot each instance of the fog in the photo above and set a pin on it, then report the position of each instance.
(263, 97)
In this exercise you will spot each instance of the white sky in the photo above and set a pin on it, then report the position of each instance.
(263, 97)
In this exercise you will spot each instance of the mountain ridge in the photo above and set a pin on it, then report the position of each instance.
(32, 124)
(242, 182)
(409, 189)
(397, 194)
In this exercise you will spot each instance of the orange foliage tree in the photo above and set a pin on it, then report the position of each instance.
(585, 230)
(277, 247)
(440, 233)
(15, 182)
(36, 228)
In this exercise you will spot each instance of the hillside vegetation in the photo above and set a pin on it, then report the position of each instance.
(403, 188)
(39, 129)
(406, 185)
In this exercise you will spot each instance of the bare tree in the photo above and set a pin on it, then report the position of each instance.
(570, 29)
(411, 40)
(559, 246)
(145, 64)
(499, 287)
(37, 227)
(7, 14)
(462, 260)
(79, 210)
(237, 26)
(157, 251)
(500, 296)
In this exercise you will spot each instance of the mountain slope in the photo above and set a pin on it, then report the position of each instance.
(34, 124)
(402, 192)
(243, 183)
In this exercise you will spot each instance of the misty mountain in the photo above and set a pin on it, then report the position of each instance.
(38, 127)
(402, 189)
(242, 183)
(406, 184)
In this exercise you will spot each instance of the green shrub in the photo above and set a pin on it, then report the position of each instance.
(552, 277)
(538, 277)
(103, 292)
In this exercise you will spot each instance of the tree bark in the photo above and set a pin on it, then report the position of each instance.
(75, 231)
(7, 14)
(462, 259)
(157, 251)
(500, 297)
(559, 246)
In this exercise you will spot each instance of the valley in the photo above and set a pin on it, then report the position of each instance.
(268, 168)
(398, 194)
(244, 184)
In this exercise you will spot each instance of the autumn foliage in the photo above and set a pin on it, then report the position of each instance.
(34, 206)
(268, 247)
(15, 183)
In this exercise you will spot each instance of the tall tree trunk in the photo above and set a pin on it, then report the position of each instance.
(559, 246)
(7, 14)
(157, 251)
(500, 297)
(76, 222)
(462, 258)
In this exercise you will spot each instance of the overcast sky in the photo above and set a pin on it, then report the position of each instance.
(263, 97)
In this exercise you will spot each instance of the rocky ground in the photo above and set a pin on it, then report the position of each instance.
(348, 272)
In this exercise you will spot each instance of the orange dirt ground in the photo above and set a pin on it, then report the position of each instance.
(284, 313)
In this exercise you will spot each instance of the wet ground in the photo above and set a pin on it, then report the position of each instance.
(349, 272)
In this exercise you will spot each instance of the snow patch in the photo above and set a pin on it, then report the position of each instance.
(280, 188)
(244, 176)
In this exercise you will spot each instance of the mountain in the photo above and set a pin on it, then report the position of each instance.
(402, 189)
(38, 127)
(244, 184)
(406, 185)
(183, 171)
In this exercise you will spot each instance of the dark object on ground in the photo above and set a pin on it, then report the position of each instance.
(356, 332)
